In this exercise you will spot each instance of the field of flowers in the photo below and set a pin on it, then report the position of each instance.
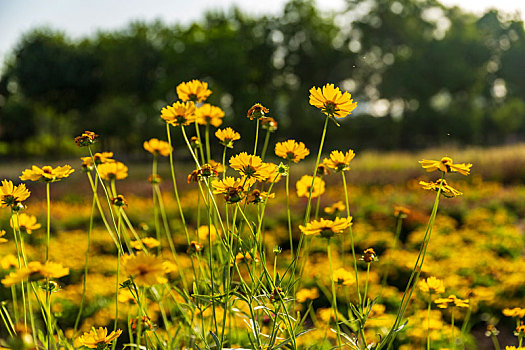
(314, 250)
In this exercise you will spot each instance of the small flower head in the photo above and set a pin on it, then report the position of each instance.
(257, 111)
(369, 255)
(195, 91)
(339, 161)
(343, 277)
(453, 301)
(326, 228)
(206, 171)
(227, 136)
(113, 171)
(46, 173)
(256, 196)
(119, 201)
(179, 114)
(11, 195)
(146, 270)
(25, 223)
(158, 147)
(322, 170)
(332, 102)
(446, 190)
(87, 138)
(291, 150)
(432, 285)
(277, 295)
(154, 179)
(520, 330)
(195, 142)
(99, 338)
(306, 294)
(195, 247)
(269, 124)
(100, 158)
(491, 330)
(445, 165)
(246, 257)
(305, 183)
(148, 242)
(401, 212)
(209, 115)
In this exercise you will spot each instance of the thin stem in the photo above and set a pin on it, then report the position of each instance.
(256, 137)
(265, 146)
(207, 138)
(428, 321)
(334, 295)
(452, 325)
(288, 213)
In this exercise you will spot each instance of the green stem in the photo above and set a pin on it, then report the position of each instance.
(197, 130)
(207, 137)
(288, 213)
(265, 146)
(428, 321)
(256, 137)
(334, 295)
(452, 324)
(366, 288)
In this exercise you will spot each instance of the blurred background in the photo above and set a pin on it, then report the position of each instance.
(424, 73)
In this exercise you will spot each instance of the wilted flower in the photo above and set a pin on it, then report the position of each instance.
(304, 184)
(369, 255)
(339, 161)
(257, 111)
(179, 114)
(445, 165)
(322, 170)
(46, 173)
(291, 150)
(195, 91)
(87, 138)
(158, 147)
(446, 190)
(269, 124)
(208, 114)
(195, 247)
(326, 228)
(99, 338)
(256, 196)
(11, 195)
(227, 136)
(119, 201)
(331, 101)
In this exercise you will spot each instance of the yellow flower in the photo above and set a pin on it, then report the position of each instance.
(250, 166)
(227, 136)
(231, 188)
(291, 150)
(256, 196)
(432, 285)
(452, 300)
(304, 184)
(343, 277)
(206, 232)
(515, 312)
(305, 294)
(24, 222)
(508, 347)
(146, 270)
(2, 239)
(99, 338)
(46, 173)
(401, 211)
(180, 113)
(339, 161)
(104, 157)
(156, 147)
(446, 190)
(148, 242)
(331, 101)
(337, 206)
(208, 114)
(35, 271)
(87, 138)
(195, 91)
(445, 165)
(246, 257)
(11, 195)
(326, 228)
(113, 171)
(257, 111)
(8, 262)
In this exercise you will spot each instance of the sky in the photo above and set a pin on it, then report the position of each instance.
(79, 18)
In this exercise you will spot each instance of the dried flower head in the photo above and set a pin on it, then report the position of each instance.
(87, 138)
(257, 111)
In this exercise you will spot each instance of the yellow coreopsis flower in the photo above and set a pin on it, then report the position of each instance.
(304, 184)
(446, 190)
(146, 270)
(113, 171)
(250, 166)
(205, 232)
(46, 173)
(432, 285)
(148, 242)
(227, 136)
(232, 189)
(100, 158)
(195, 91)
(334, 208)
(343, 277)
(305, 294)
(445, 165)
(514, 312)
(2, 239)
(339, 161)
(291, 150)
(99, 338)
(452, 300)
(209, 114)
(11, 195)
(331, 101)
(24, 222)
(35, 271)
(326, 228)
(180, 113)
(158, 147)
